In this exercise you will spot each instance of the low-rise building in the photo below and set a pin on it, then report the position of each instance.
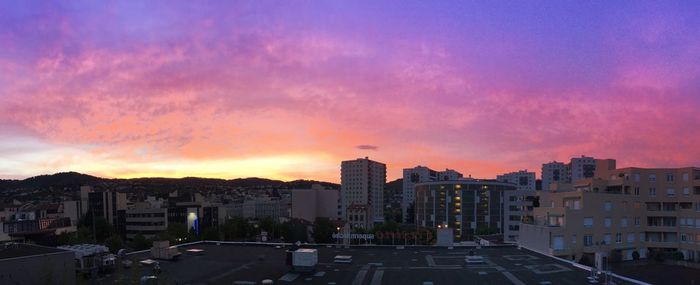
(146, 221)
(632, 213)
(317, 202)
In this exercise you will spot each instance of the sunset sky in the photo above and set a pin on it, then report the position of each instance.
(288, 89)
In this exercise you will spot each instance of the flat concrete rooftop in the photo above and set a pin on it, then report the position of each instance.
(14, 250)
(250, 264)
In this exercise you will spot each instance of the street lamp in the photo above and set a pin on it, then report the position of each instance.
(337, 237)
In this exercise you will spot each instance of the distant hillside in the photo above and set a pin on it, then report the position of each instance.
(58, 180)
(74, 180)
(394, 187)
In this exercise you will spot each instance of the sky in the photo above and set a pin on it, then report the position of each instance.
(289, 89)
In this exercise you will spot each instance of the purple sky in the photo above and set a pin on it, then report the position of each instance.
(288, 89)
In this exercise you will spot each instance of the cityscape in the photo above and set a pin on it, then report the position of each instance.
(349, 142)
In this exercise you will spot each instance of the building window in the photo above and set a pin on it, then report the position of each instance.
(652, 177)
(671, 192)
(636, 177)
(686, 191)
(608, 222)
(588, 222)
(573, 239)
(669, 177)
(618, 237)
(607, 239)
(588, 240)
(630, 238)
(637, 221)
(636, 191)
(558, 242)
(684, 237)
(623, 222)
(652, 191)
(686, 177)
(608, 205)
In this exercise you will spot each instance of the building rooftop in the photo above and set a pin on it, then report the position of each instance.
(14, 250)
(250, 264)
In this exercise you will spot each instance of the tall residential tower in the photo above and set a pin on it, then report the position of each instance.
(362, 192)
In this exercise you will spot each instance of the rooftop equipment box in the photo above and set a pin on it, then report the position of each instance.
(304, 259)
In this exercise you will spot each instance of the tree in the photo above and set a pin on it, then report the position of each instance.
(139, 242)
(294, 231)
(236, 228)
(323, 230)
(102, 228)
(210, 234)
(177, 233)
(114, 243)
(267, 224)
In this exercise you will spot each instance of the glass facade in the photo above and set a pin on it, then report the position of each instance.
(469, 207)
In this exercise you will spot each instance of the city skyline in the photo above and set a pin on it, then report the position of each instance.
(287, 90)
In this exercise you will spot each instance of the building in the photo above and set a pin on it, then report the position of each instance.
(519, 206)
(553, 172)
(578, 168)
(317, 202)
(109, 205)
(362, 192)
(260, 207)
(470, 207)
(198, 216)
(145, 220)
(633, 213)
(524, 180)
(419, 174)
(31, 264)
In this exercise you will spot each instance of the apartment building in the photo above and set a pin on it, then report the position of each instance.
(519, 204)
(362, 192)
(420, 174)
(578, 168)
(634, 212)
(524, 180)
(469, 206)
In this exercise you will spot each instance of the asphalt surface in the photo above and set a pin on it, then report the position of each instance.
(238, 264)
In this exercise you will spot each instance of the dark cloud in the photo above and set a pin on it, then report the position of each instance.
(368, 147)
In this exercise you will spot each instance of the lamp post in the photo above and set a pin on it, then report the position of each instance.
(337, 237)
